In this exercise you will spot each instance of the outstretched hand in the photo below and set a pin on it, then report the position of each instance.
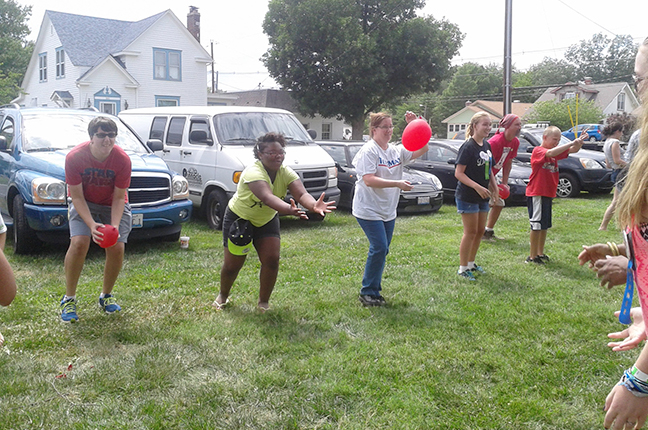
(590, 254)
(321, 207)
(296, 211)
(633, 335)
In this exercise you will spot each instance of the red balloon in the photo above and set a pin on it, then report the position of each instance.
(110, 236)
(416, 135)
(504, 191)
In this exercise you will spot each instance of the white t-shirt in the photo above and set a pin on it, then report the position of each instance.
(378, 204)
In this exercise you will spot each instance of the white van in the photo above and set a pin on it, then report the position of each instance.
(211, 145)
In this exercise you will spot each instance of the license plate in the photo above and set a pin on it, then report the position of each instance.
(423, 200)
(138, 220)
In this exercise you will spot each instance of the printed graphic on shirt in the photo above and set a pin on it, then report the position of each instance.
(98, 177)
(484, 160)
(500, 163)
(551, 166)
(388, 163)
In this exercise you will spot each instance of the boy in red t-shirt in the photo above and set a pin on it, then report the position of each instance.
(542, 187)
(97, 173)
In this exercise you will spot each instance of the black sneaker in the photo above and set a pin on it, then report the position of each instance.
(369, 300)
(488, 235)
(535, 260)
(544, 258)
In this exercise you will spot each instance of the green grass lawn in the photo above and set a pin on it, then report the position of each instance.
(524, 347)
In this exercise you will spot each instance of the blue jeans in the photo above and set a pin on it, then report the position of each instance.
(379, 234)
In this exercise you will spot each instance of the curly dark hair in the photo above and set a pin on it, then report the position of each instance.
(612, 128)
(267, 139)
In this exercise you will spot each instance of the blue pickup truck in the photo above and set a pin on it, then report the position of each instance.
(33, 194)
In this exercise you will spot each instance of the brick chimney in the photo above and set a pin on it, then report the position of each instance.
(193, 22)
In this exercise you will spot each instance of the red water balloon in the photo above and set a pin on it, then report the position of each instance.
(504, 191)
(110, 236)
(416, 135)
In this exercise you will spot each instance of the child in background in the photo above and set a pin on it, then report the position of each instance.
(542, 187)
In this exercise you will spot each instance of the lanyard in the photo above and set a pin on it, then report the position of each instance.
(626, 304)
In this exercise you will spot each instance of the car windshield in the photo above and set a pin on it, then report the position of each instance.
(51, 132)
(246, 127)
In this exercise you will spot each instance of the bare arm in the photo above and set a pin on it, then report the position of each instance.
(117, 206)
(7, 282)
(616, 154)
(81, 206)
(318, 206)
(371, 180)
(262, 191)
(506, 171)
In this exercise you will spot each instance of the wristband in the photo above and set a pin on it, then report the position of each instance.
(639, 375)
(637, 388)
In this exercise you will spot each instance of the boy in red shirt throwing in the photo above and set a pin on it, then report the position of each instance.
(97, 173)
(542, 187)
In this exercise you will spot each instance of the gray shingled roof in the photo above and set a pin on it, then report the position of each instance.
(88, 40)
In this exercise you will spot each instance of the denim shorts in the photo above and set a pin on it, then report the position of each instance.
(464, 207)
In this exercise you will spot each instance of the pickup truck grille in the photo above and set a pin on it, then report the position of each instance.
(148, 188)
(314, 180)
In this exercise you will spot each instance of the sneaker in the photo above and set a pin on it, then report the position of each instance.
(489, 235)
(68, 310)
(536, 260)
(544, 258)
(369, 300)
(467, 274)
(477, 269)
(109, 304)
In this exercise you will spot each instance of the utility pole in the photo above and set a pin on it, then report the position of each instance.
(508, 26)
(213, 80)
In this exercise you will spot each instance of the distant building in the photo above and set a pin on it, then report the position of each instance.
(326, 128)
(460, 120)
(615, 97)
(82, 61)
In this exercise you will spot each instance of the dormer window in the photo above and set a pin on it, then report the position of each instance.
(621, 102)
(42, 67)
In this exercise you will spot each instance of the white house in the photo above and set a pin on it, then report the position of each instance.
(83, 61)
(613, 97)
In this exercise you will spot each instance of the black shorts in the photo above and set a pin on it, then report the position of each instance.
(539, 212)
(269, 229)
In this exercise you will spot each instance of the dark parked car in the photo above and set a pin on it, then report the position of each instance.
(33, 198)
(440, 160)
(582, 171)
(426, 196)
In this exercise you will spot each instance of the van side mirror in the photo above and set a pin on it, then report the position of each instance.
(155, 145)
(312, 133)
(452, 161)
(3, 143)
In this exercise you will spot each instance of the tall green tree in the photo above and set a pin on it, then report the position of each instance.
(15, 50)
(562, 114)
(604, 59)
(349, 58)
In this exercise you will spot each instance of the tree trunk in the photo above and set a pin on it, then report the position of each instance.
(358, 129)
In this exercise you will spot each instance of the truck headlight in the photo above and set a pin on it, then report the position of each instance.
(590, 164)
(48, 191)
(180, 187)
(332, 176)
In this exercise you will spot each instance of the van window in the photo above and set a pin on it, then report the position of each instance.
(174, 135)
(199, 133)
(157, 128)
(246, 127)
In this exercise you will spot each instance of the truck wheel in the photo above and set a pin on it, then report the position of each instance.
(568, 186)
(25, 239)
(215, 209)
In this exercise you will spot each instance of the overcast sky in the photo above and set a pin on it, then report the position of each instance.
(540, 28)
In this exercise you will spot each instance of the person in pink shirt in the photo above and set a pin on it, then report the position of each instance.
(504, 147)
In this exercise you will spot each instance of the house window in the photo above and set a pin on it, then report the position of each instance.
(161, 101)
(167, 65)
(569, 95)
(463, 126)
(42, 67)
(326, 131)
(621, 101)
(60, 63)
